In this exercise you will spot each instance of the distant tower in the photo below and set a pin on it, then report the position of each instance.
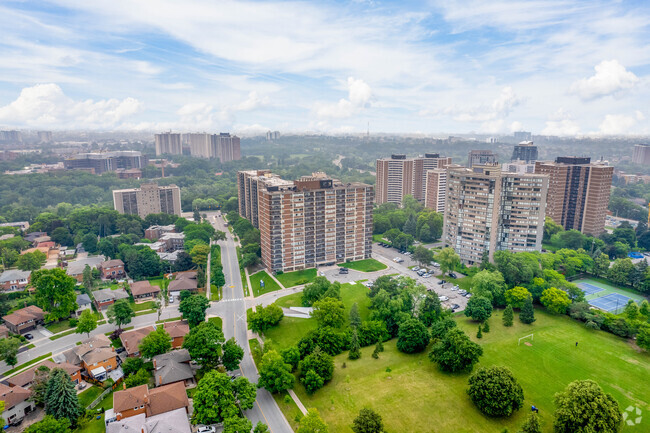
(368, 132)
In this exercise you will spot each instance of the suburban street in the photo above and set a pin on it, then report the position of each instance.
(232, 310)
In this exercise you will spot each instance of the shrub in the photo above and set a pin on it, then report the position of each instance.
(495, 391)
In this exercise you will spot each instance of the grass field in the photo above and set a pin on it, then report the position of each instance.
(415, 391)
(367, 265)
(297, 278)
(217, 321)
(292, 329)
(269, 283)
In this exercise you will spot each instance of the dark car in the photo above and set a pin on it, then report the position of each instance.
(119, 350)
(29, 336)
(452, 275)
(441, 282)
(343, 271)
(455, 307)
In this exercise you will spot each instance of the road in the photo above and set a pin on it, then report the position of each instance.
(232, 310)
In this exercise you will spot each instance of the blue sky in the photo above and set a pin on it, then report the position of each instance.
(553, 67)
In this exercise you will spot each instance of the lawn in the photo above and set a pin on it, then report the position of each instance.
(290, 410)
(269, 283)
(464, 283)
(97, 425)
(292, 329)
(414, 388)
(217, 321)
(56, 327)
(297, 278)
(89, 395)
(366, 265)
(143, 306)
(63, 334)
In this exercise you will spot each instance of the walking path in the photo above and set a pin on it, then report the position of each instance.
(295, 398)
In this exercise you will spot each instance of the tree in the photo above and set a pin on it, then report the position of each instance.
(183, 262)
(200, 254)
(291, 356)
(219, 235)
(410, 226)
(527, 314)
(486, 326)
(455, 352)
(155, 343)
(490, 285)
(355, 348)
(644, 309)
(49, 424)
(448, 259)
(368, 421)
(412, 337)
(314, 291)
(9, 350)
(275, 373)
(120, 313)
(601, 265)
(312, 423)
(322, 364)
(531, 425)
(508, 316)
(423, 255)
(217, 398)
(31, 261)
(555, 300)
(237, 425)
(643, 337)
(132, 365)
(551, 228)
(89, 242)
(260, 427)
(204, 344)
(265, 317)
(479, 333)
(39, 385)
(232, 355)
(495, 391)
(140, 377)
(355, 317)
(329, 312)
(584, 407)
(517, 296)
(55, 292)
(478, 308)
(87, 323)
(61, 397)
(631, 310)
(87, 276)
(193, 309)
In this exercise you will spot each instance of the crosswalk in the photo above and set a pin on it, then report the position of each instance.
(232, 300)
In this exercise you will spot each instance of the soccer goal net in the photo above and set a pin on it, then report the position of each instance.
(524, 338)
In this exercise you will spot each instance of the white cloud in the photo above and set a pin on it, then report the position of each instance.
(620, 124)
(253, 102)
(499, 108)
(611, 77)
(146, 68)
(359, 97)
(561, 124)
(47, 105)
(516, 126)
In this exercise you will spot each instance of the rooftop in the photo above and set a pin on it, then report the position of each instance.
(14, 275)
(132, 339)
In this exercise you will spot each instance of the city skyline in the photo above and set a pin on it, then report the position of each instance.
(554, 68)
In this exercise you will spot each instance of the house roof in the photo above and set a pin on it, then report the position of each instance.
(174, 421)
(186, 275)
(13, 275)
(27, 377)
(91, 349)
(111, 263)
(172, 367)
(177, 329)
(77, 267)
(130, 398)
(83, 299)
(143, 287)
(156, 401)
(13, 395)
(132, 339)
(182, 284)
(23, 315)
(105, 295)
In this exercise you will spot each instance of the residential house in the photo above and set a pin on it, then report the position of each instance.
(24, 320)
(173, 367)
(107, 297)
(14, 279)
(154, 233)
(174, 421)
(183, 281)
(17, 403)
(112, 269)
(4, 331)
(173, 241)
(150, 402)
(177, 331)
(132, 339)
(84, 303)
(26, 378)
(76, 269)
(144, 290)
(95, 355)
(30, 237)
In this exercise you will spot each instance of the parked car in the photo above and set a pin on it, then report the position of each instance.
(29, 336)
(119, 350)
(452, 275)
(444, 298)
(437, 265)
(441, 282)
(453, 289)
(455, 307)
(462, 292)
(206, 429)
(415, 268)
(469, 295)
(171, 299)
(343, 271)
(321, 273)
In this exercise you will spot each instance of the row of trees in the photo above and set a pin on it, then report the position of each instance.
(249, 238)
(412, 219)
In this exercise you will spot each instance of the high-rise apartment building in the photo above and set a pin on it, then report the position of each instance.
(11, 137)
(525, 151)
(99, 163)
(149, 198)
(168, 143)
(641, 154)
(398, 176)
(223, 146)
(481, 157)
(44, 136)
(436, 190)
(310, 222)
(487, 210)
(518, 167)
(578, 194)
(200, 144)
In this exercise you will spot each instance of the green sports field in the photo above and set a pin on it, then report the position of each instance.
(608, 288)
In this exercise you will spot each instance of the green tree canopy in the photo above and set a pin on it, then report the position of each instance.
(264, 318)
(368, 421)
(120, 313)
(412, 337)
(516, 297)
(9, 350)
(455, 352)
(193, 309)
(527, 313)
(232, 355)
(275, 373)
(156, 343)
(217, 398)
(490, 285)
(478, 308)
(55, 292)
(495, 391)
(312, 423)
(87, 323)
(584, 407)
(329, 312)
(204, 343)
(555, 300)
(49, 424)
(448, 260)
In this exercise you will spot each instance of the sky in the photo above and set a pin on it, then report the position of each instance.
(553, 67)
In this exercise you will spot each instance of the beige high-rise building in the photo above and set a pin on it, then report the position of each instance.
(641, 154)
(149, 198)
(578, 194)
(200, 144)
(168, 143)
(398, 176)
(436, 190)
(487, 210)
(310, 222)
(480, 157)
(223, 146)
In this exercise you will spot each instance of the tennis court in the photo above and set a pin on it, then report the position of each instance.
(589, 289)
(612, 303)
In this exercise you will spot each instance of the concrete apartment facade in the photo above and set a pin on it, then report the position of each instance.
(487, 210)
(310, 222)
(149, 198)
(223, 146)
(98, 163)
(481, 157)
(249, 183)
(578, 194)
(168, 143)
(641, 154)
(436, 190)
(525, 151)
(398, 176)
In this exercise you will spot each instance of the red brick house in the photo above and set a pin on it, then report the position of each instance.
(24, 320)
(177, 331)
(14, 279)
(144, 290)
(132, 339)
(112, 269)
(142, 400)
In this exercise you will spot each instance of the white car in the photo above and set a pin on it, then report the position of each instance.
(206, 429)
(321, 273)
(444, 298)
